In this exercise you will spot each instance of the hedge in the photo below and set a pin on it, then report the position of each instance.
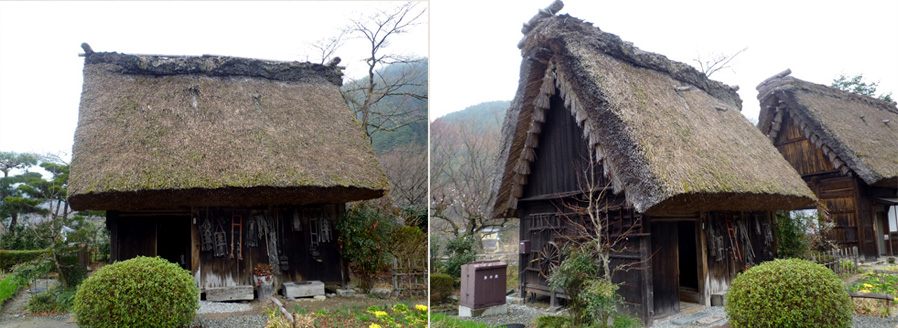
(9, 258)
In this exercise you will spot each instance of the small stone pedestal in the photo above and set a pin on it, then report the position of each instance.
(265, 286)
(303, 289)
(464, 311)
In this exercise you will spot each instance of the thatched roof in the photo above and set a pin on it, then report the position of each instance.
(858, 133)
(671, 139)
(163, 132)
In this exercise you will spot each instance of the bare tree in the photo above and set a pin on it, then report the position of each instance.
(590, 225)
(406, 168)
(406, 89)
(463, 158)
(591, 234)
(716, 62)
(327, 47)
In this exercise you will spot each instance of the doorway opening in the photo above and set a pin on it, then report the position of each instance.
(173, 239)
(688, 262)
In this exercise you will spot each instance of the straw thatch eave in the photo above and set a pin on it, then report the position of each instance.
(859, 134)
(182, 137)
(669, 138)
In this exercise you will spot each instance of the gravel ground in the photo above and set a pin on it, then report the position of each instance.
(222, 307)
(526, 315)
(232, 321)
(874, 322)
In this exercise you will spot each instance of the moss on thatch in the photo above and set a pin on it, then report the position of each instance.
(858, 133)
(215, 131)
(671, 139)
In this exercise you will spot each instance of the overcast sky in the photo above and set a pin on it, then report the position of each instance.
(473, 52)
(41, 73)
(474, 55)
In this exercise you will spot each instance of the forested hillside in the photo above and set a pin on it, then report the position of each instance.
(410, 78)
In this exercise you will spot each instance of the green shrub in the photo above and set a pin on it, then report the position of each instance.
(53, 300)
(9, 258)
(26, 237)
(788, 293)
(461, 251)
(33, 269)
(554, 321)
(364, 238)
(71, 270)
(441, 286)
(140, 292)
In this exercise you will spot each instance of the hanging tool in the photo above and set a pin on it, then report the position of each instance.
(237, 227)
(731, 233)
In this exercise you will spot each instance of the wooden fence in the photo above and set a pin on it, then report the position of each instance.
(841, 261)
(410, 276)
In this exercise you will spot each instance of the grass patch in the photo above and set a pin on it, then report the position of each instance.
(441, 320)
(396, 315)
(9, 286)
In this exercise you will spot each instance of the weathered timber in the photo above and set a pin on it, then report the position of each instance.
(233, 293)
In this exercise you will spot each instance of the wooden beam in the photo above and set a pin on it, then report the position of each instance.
(872, 295)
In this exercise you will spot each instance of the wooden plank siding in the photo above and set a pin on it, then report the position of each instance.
(561, 158)
(845, 198)
(169, 236)
(665, 266)
(804, 156)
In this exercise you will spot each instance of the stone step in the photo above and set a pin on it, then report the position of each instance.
(682, 321)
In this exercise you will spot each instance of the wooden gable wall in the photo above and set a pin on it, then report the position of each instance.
(547, 221)
(843, 197)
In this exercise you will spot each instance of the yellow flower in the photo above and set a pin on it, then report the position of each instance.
(421, 307)
(868, 286)
(864, 291)
(379, 313)
(374, 325)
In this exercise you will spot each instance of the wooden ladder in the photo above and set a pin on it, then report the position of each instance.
(731, 232)
(237, 224)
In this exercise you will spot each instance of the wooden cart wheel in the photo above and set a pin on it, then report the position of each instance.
(549, 258)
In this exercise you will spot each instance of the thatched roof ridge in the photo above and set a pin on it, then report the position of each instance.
(670, 138)
(236, 132)
(211, 65)
(858, 133)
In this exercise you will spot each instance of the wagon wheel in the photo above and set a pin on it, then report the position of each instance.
(549, 258)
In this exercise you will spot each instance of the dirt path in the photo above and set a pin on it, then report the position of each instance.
(13, 313)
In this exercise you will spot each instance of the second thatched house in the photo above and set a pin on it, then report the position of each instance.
(845, 146)
(689, 183)
(221, 164)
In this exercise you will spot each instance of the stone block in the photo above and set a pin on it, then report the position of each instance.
(514, 300)
(233, 293)
(464, 311)
(718, 300)
(382, 292)
(303, 289)
(345, 292)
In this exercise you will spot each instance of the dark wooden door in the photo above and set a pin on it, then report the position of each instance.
(665, 268)
(136, 237)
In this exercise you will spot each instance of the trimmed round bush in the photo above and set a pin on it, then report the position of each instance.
(788, 293)
(140, 292)
(441, 286)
